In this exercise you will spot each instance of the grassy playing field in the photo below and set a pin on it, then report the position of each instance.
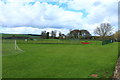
(70, 60)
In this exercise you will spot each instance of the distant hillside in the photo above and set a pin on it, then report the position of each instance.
(20, 36)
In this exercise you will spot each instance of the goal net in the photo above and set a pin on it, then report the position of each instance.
(10, 47)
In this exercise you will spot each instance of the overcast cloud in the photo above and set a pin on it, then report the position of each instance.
(33, 16)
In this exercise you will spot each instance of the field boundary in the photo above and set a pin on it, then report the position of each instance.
(117, 70)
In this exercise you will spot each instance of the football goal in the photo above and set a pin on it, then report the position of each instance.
(10, 47)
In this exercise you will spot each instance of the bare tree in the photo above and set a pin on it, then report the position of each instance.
(53, 34)
(43, 33)
(105, 29)
(47, 36)
(60, 35)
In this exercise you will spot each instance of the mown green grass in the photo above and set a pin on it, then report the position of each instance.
(61, 60)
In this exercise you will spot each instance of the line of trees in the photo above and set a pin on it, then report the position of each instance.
(74, 34)
(53, 34)
(104, 31)
(117, 36)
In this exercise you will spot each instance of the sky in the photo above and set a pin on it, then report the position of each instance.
(34, 16)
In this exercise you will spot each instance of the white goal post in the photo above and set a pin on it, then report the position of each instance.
(17, 47)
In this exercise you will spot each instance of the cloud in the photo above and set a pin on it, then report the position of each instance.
(98, 10)
(106, 10)
(31, 30)
(14, 14)
(80, 4)
(21, 30)
(40, 15)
